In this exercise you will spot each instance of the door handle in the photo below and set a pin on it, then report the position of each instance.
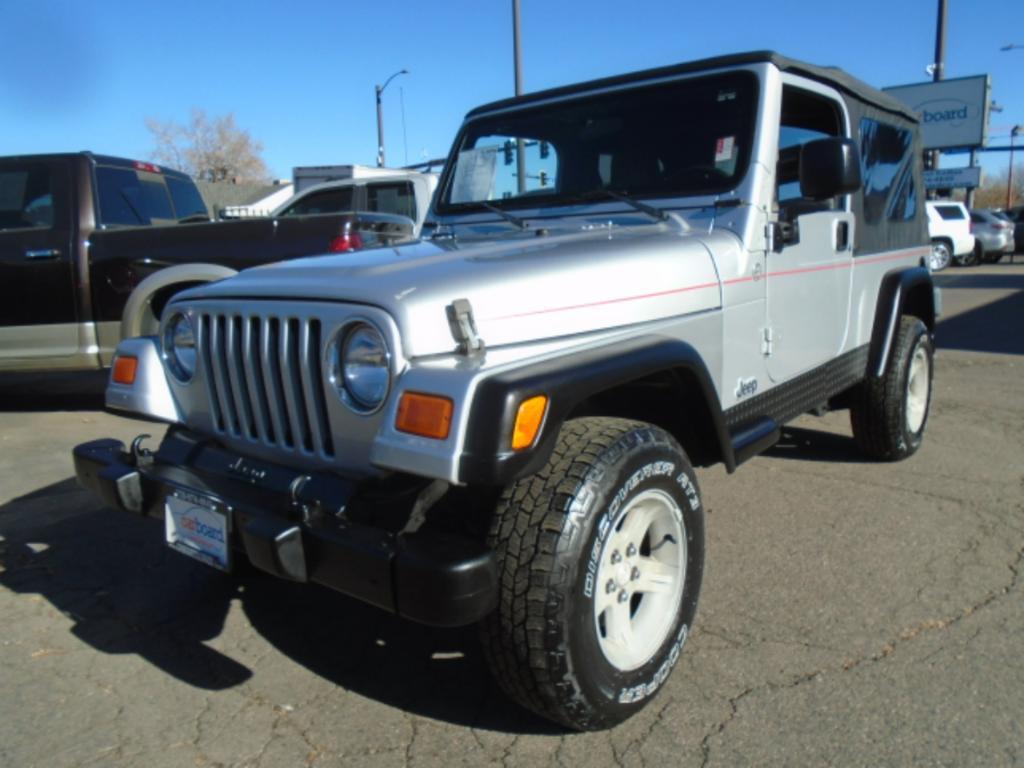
(42, 253)
(842, 236)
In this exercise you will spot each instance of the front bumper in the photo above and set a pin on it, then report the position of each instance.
(292, 525)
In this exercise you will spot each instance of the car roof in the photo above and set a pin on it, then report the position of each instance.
(829, 75)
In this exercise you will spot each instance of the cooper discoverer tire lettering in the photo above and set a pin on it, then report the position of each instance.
(600, 558)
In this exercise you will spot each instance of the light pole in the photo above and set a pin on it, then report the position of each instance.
(1017, 129)
(517, 56)
(379, 89)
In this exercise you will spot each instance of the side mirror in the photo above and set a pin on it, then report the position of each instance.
(829, 167)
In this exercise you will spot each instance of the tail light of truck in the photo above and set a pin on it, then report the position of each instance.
(345, 242)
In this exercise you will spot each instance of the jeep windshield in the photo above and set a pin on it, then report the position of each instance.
(671, 139)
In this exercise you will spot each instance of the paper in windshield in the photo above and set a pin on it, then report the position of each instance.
(474, 175)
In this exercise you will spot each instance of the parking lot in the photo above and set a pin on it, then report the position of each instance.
(852, 613)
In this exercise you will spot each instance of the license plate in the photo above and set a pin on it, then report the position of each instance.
(198, 526)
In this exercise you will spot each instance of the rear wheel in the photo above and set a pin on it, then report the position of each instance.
(600, 559)
(941, 255)
(889, 414)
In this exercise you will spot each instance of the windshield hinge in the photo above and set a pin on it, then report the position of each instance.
(463, 328)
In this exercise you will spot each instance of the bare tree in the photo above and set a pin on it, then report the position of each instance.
(992, 194)
(209, 149)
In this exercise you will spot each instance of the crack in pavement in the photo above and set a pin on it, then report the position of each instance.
(907, 635)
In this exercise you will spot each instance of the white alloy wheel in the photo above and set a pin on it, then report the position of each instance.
(918, 383)
(640, 579)
(941, 256)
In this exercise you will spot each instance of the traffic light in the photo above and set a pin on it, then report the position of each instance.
(543, 178)
(545, 150)
(508, 152)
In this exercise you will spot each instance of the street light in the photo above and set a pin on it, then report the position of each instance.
(1017, 129)
(379, 89)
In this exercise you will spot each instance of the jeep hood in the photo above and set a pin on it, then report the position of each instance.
(524, 287)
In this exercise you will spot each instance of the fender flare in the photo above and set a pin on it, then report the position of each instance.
(138, 318)
(899, 288)
(567, 382)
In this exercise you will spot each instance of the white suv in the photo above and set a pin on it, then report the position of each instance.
(949, 227)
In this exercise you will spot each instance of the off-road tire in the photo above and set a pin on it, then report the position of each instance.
(880, 406)
(543, 642)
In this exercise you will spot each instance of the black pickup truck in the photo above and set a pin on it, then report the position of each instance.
(92, 247)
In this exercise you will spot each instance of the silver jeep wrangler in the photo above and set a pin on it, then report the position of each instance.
(619, 280)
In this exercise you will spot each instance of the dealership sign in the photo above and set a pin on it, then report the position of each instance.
(953, 113)
(953, 178)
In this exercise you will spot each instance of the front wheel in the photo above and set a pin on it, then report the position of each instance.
(601, 556)
(889, 414)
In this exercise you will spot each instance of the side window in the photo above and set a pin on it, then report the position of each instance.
(806, 116)
(397, 198)
(335, 200)
(122, 201)
(887, 168)
(26, 198)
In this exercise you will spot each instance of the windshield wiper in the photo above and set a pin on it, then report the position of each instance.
(650, 210)
(521, 223)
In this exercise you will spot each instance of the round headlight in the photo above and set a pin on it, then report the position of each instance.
(361, 368)
(179, 345)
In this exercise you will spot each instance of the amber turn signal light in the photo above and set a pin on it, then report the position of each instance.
(125, 369)
(424, 415)
(529, 419)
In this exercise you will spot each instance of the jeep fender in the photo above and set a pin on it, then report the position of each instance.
(902, 292)
(571, 382)
(139, 319)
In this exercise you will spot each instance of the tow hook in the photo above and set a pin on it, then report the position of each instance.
(141, 457)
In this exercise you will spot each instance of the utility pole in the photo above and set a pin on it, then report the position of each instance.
(1014, 132)
(939, 65)
(517, 54)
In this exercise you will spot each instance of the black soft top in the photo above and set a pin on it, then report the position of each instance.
(832, 76)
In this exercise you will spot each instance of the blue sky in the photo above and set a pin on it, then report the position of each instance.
(300, 76)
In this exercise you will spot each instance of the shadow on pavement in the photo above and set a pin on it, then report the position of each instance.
(816, 445)
(129, 594)
(995, 327)
(965, 279)
(78, 391)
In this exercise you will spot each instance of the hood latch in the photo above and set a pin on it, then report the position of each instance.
(463, 328)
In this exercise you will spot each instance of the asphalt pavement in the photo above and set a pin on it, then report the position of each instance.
(852, 614)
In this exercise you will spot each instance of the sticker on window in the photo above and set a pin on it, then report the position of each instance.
(724, 149)
(727, 95)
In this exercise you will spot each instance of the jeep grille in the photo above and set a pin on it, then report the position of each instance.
(263, 379)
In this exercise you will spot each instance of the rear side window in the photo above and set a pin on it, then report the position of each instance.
(26, 198)
(977, 218)
(950, 212)
(187, 200)
(122, 201)
(335, 200)
(887, 169)
(391, 198)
